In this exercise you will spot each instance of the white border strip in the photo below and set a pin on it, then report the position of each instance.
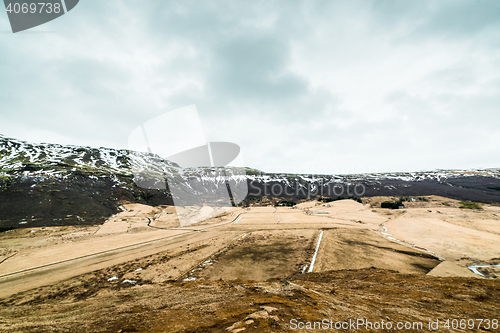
(315, 253)
(64, 6)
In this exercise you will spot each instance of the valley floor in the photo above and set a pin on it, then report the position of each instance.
(247, 269)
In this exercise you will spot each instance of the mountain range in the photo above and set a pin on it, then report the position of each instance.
(51, 184)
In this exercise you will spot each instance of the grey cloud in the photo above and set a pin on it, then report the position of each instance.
(255, 68)
(447, 20)
(462, 18)
(115, 64)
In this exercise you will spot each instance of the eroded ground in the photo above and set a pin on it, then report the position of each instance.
(91, 304)
(142, 272)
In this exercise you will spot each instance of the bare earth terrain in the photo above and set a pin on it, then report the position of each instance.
(249, 269)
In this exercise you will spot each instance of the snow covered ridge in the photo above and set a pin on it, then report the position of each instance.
(42, 182)
(29, 159)
(374, 178)
(20, 158)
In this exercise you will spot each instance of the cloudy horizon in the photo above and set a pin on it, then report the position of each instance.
(326, 87)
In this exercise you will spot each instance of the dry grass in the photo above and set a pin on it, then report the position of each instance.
(224, 298)
(214, 306)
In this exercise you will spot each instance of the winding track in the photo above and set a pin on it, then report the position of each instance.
(88, 256)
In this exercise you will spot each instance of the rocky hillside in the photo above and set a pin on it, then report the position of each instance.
(50, 184)
(472, 185)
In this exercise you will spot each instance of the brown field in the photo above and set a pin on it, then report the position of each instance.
(142, 272)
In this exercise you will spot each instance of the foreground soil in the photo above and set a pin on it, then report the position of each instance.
(247, 270)
(249, 306)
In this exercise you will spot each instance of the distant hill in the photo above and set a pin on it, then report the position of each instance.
(50, 184)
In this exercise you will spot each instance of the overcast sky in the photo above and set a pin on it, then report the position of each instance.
(301, 86)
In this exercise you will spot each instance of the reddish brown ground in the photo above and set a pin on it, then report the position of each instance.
(361, 272)
(91, 304)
